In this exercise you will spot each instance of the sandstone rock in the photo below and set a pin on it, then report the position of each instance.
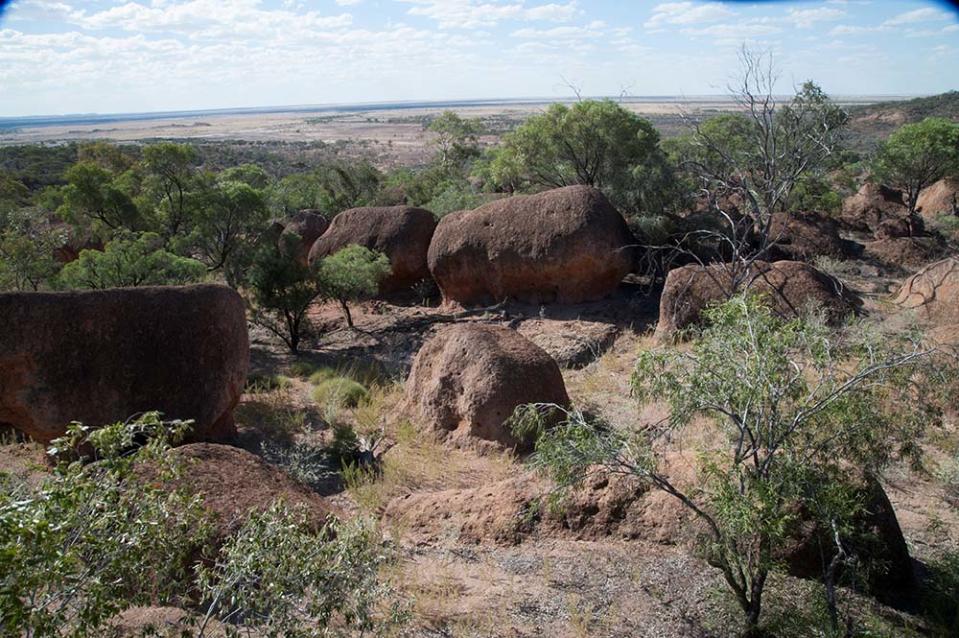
(308, 225)
(942, 198)
(403, 233)
(467, 380)
(805, 235)
(933, 292)
(101, 356)
(790, 286)
(566, 245)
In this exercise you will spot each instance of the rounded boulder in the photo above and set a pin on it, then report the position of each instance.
(467, 380)
(308, 226)
(402, 233)
(566, 245)
(101, 356)
(789, 286)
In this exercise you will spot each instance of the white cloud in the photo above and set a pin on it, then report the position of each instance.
(805, 18)
(470, 14)
(348, 3)
(927, 14)
(687, 13)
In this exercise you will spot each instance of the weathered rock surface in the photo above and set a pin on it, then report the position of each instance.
(467, 380)
(933, 293)
(790, 286)
(99, 357)
(565, 245)
(308, 225)
(233, 483)
(572, 343)
(806, 235)
(622, 507)
(880, 210)
(402, 233)
(904, 253)
(942, 198)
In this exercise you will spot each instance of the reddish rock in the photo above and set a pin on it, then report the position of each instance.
(233, 483)
(803, 236)
(402, 233)
(790, 286)
(880, 210)
(933, 293)
(308, 226)
(566, 245)
(101, 356)
(467, 380)
(904, 253)
(942, 198)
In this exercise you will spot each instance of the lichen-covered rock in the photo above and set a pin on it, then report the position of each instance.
(467, 380)
(566, 245)
(101, 356)
(791, 287)
(402, 233)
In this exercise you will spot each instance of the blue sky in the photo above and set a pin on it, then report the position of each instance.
(77, 56)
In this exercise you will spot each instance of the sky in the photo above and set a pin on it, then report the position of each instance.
(115, 56)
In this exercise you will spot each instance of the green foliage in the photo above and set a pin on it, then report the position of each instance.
(794, 405)
(940, 594)
(227, 225)
(351, 274)
(594, 142)
(302, 369)
(94, 199)
(282, 290)
(917, 155)
(340, 392)
(170, 171)
(453, 196)
(331, 188)
(456, 140)
(280, 577)
(93, 540)
(130, 260)
(27, 247)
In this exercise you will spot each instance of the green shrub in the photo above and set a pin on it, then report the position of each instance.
(341, 392)
(92, 540)
(323, 374)
(279, 576)
(940, 595)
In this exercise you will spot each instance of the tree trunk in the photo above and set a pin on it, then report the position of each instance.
(346, 313)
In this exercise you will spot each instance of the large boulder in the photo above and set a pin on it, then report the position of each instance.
(942, 198)
(933, 293)
(790, 287)
(880, 210)
(308, 225)
(565, 245)
(99, 357)
(403, 233)
(467, 380)
(805, 235)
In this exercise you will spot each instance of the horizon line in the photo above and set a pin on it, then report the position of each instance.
(388, 104)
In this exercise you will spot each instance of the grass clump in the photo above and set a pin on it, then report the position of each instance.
(341, 392)
(302, 369)
(263, 383)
